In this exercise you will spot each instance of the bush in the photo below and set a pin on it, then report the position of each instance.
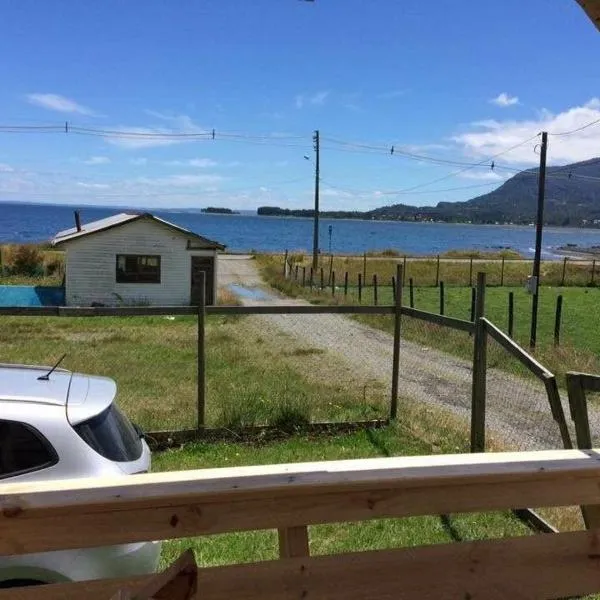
(27, 260)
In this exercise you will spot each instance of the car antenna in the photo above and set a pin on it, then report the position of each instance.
(46, 377)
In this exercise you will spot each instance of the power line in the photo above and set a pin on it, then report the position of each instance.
(399, 192)
(595, 122)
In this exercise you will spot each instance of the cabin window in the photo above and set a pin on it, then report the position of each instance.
(137, 268)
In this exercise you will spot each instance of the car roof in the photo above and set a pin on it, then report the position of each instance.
(20, 383)
(84, 396)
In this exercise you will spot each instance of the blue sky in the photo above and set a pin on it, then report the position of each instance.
(457, 80)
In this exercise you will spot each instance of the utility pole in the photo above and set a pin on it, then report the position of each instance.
(538, 239)
(315, 260)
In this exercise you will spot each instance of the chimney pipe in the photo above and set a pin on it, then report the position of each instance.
(77, 220)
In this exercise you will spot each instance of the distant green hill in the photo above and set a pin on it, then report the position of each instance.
(572, 199)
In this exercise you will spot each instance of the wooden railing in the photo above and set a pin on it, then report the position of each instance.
(39, 517)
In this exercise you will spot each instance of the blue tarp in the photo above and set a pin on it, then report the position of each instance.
(28, 295)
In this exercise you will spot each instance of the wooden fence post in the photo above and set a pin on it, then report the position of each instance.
(564, 272)
(365, 267)
(312, 278)
(201, 392)
(393, 289)
(322, 279)
(473, 293)
(285, 258)
(471, 272)
(296, 274)
(375, 289)
(437, 272)
(404, 270)
(330, 268)
(333, 283)
(441, 297)
(359, 288)
(346, 284)
(303, 276)
(502, 273)
(411, 292)
(293, 542)
(396, 353)
(511, 313)
(557, 318)
(479, 370)
(591, 280)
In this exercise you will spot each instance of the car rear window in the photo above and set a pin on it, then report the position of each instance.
(111, 435)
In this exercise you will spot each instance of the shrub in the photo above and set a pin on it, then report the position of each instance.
(27, 260)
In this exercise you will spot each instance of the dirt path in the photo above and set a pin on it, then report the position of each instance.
(517, 409)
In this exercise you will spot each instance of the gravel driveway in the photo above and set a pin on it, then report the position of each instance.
(518, 414)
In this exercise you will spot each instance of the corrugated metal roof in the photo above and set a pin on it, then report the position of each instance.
(94, 226)
(121, 219)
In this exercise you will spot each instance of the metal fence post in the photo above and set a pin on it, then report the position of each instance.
(201, 400)
(396, 354)
(411, 290)
(479, 370)
(442, 299)
(345, 284)
(375, 297)
(359, 288)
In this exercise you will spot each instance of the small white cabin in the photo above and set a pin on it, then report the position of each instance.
(136, 259)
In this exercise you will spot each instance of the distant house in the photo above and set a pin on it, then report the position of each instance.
(136, 259)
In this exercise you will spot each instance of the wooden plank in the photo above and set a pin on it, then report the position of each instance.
(167, 439)
(527, 568)
(558, 413)
(36, 517)
(590, 383)
(307, 309)
(293, 542)
(515, 350)
(579, 413)
(46, 311)
(436, 319)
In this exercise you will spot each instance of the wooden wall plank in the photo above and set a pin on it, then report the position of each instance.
(293, 542)
(84, 513)
(534, 567)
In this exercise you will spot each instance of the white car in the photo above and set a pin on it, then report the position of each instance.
(55, 424)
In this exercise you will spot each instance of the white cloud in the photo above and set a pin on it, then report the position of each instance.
(97, 160)
(59, 104)
(181, 180)
(504, 99)
(93, 186)
(155, 136)
(491, 137)
(201, 163)
(316, 99)
(488, 175)
(138, 162)
(4, 168)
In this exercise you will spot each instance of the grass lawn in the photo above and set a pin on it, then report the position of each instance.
(454, 270)
(251, 379)
(344, 537)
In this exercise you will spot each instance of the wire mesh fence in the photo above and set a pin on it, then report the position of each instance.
(519, 415)
(152, 359)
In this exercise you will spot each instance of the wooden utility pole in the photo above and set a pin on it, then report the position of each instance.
(315, 260)
(538, 239)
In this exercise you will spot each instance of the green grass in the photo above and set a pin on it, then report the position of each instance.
(454, 269)
(251, 379)
(344, 537)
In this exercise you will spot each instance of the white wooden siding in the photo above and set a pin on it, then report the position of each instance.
(91, 266)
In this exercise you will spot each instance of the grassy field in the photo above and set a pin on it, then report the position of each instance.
(579, 343)
(344, 537)
(250, 379)
(454, 269)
